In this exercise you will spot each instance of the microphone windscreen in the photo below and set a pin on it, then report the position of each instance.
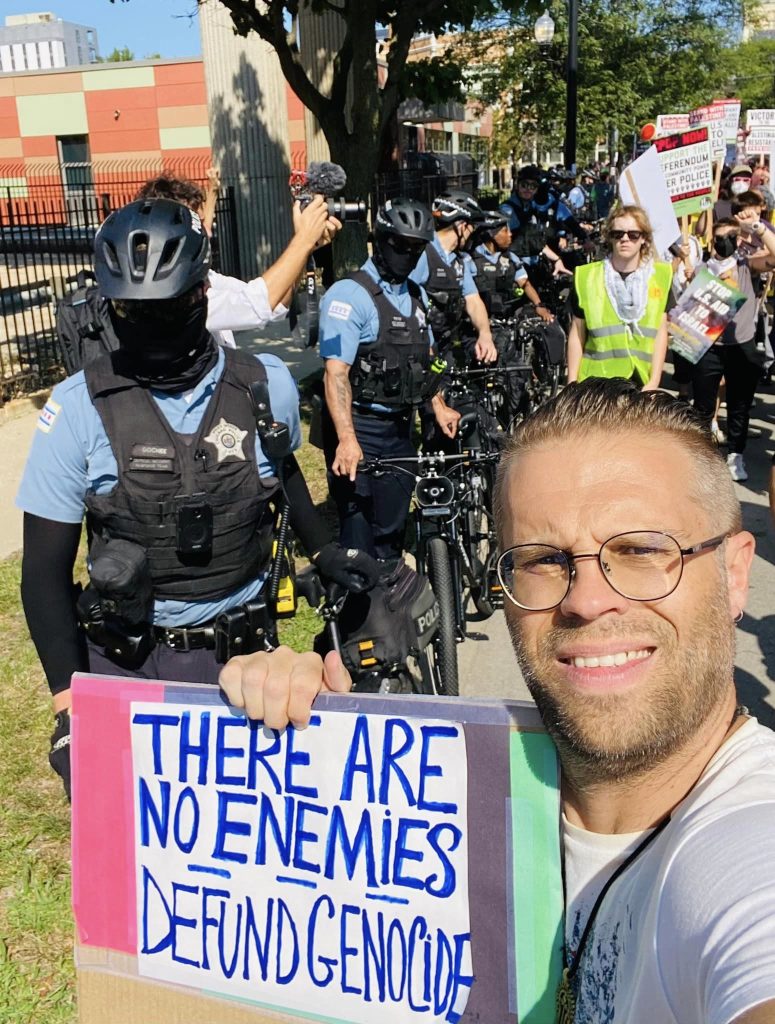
(326, 178)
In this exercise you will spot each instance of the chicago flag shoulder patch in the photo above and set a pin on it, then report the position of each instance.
(48, 416)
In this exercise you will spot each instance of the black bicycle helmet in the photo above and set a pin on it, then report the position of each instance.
(489, 228)
(456, 205)
(151, 249)
(404, 218)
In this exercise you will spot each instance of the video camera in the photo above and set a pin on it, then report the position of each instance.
(326, 179)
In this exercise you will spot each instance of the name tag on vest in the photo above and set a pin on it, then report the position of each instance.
(152, 458)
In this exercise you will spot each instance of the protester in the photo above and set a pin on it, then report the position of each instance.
(760, 180)
(619, 323)
(668, 786)
(684, 266)
(734, 356)
(236, 305)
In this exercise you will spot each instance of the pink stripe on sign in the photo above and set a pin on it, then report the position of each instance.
(104, 890)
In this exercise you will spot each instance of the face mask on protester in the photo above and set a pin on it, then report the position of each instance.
(395, 258)
(739, 186)
(724, 246)
(167, 354)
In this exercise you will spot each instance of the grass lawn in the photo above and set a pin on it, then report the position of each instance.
(37, 978)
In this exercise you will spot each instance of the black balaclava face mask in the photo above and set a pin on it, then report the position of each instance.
(393, 266)
(167, 354)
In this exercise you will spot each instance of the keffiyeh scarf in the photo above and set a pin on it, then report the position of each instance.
(629, 295)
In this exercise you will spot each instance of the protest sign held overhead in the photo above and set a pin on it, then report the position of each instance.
(699, 317)
(668, 124)
(363, 864)
(643, 184)
(760, 128)
(686, 164)
(714, 119)
(731, 108)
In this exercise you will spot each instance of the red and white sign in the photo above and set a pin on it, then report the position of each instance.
(667, 124)
(731, 109)
(714, 119)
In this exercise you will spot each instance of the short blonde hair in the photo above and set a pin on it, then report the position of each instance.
(612, 406)
(641, 218)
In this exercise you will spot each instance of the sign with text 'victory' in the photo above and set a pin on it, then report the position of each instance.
(396, 860)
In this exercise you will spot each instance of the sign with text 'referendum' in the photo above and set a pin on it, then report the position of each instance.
(686, 164)
(396, 860)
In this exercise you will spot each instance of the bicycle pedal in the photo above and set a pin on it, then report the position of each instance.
(477, 636)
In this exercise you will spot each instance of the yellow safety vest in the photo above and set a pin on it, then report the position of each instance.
(610, 350)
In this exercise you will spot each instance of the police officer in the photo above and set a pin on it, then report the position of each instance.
(536, 219)
(445, 271)
(579, 197)
(379, 368)
(499, 273)
(178, 451)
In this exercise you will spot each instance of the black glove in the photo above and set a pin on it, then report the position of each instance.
(59, 755)
(350, 568)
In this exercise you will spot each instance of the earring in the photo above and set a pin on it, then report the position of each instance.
(739, 616)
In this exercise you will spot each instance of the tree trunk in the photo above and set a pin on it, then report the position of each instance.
(360, 162)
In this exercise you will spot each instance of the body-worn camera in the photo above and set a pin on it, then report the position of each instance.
(194, 527)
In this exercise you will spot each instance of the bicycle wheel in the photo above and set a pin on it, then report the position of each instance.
(481, 552)
(444, 646)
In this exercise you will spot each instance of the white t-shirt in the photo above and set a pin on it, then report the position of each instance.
(234, 305)
(686, 935)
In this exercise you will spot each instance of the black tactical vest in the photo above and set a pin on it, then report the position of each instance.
(395, 369)
(495, 281)
(530, 235)
(445, 294)
(161, 472)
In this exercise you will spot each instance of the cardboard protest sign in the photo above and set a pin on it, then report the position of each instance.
(397, 860)
(686, 165)
(643, 184)
(699, 317)
(667, 124)
(731, 108)
(714, 119)
(760, 126)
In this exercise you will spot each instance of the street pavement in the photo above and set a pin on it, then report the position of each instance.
(487, 665)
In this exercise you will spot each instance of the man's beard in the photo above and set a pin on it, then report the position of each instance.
(609, 737)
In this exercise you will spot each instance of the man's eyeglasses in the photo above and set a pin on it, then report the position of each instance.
(641, 566)
(634, 236)
(529, 185)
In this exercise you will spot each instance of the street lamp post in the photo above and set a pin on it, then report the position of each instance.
(544, 33)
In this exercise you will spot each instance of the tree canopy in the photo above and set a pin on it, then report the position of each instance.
(637, 59)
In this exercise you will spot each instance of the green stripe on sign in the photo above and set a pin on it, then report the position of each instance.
(536, 874)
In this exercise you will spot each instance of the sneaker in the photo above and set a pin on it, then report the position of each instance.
(718, 434)
(736, 466)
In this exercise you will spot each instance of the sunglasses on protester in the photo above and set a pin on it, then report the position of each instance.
(532, 185)
(634, 236)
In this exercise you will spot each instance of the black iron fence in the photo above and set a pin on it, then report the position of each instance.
(47, 224)
(46, 236)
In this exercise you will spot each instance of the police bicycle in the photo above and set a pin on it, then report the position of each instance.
(455, 544)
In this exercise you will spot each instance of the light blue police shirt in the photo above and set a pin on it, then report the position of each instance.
(349, 317)
(71, 456)
(520, 274)
(422, 272)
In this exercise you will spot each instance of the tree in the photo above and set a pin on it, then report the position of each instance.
(358, 137)
(750, 73)
(117, 55)
(637, 59)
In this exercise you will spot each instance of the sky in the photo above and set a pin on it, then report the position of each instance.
(145, 26)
